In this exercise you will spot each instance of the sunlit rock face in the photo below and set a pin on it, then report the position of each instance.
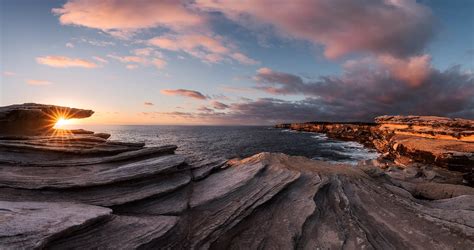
(435, 140)
(356, 131)
(35, 119)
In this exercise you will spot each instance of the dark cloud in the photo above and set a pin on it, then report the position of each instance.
(365, 91)
(361, 93)
(148, 104)
(184, 92)
(219, 105)
(205, 109)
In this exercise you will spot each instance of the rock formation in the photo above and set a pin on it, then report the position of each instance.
(35, 119)
(93, 195)
(440, 141)
(410, 140)
(356, 131)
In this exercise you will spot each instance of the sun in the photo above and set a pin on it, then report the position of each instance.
(60, 123)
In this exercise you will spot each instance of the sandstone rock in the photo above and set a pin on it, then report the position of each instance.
(104, 195)
(27, 225)
(202, 169)
(340, 207)
(86, 176)
(356, 131)
(35, 119)
(119, 232)
(429, 127)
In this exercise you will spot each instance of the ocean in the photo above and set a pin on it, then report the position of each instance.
(201, 142)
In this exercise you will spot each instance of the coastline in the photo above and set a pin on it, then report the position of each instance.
(79, 189)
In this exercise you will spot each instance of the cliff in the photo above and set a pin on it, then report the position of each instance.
(81, 192)
(356, 131)
(408, 140)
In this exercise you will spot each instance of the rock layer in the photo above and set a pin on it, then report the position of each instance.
(356, 131)
(35, 119)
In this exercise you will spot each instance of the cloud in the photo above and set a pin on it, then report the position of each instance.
(146, 56)
(158, 63)
(38, 82)
(184, 92)
(93, 42)
(398, 28)
(123, 18)
(131, 66)
(65, 62)
(205, 109)
(148, 104)
(208, 48)
(243, 58)
(9, 73)
(129, 59)
(143, 51)
(413, 70)
(219, 105)
(69, 45)
(100, 59)
(367, 90)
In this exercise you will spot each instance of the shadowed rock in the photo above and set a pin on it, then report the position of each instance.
(27, 225)
(35, 119)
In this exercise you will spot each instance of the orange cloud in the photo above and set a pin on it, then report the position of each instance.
(125, 17)
(38, 82)
(184, 92)
(65, 62)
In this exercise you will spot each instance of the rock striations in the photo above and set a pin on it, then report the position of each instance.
(139, 197)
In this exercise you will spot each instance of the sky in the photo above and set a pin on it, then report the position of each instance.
(246, 62)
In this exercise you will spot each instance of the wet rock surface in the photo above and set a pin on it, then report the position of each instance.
(151, 198)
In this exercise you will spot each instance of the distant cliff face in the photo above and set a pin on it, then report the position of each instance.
(441, 141)
(359, 132)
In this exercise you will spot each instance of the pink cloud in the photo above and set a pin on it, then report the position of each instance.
(131, 66)
(184, 92)
(205, 47)
(122, 18)
(9, 73)
(65, 62)
(142, 58)
(413, 70)
(158, 63)
(38, 82)
(100, 59)
(395, 27)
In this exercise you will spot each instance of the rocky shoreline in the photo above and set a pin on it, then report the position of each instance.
(409, 141)
(78, 189)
